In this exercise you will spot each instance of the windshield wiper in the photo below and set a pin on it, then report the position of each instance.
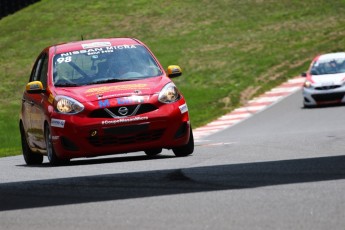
(108, 81)
(66, 85)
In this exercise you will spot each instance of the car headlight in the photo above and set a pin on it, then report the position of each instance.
(67, 105)
(307, 84)
(169, 93)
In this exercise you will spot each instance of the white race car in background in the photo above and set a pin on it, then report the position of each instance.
(325, 80)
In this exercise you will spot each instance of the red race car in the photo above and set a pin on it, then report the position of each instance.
(99, 97)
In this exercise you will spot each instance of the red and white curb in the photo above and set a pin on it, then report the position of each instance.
(252, 107)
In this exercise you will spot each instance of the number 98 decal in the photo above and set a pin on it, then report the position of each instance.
(64, 59)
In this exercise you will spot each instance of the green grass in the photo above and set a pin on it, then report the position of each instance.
(229, 50)
(9, 133)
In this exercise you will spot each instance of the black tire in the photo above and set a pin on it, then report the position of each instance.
(306, 106)
(187, 149)
(309, 106)
(30, 157)
(153, 152)
(52, 157)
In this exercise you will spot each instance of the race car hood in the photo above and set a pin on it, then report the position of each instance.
(95, 92)
(328, 79)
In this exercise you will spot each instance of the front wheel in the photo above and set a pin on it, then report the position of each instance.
(30, 157)
(153, 152)
(52, 157)
(187, 149)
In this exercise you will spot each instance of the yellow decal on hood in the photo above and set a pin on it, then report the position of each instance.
(100, 90)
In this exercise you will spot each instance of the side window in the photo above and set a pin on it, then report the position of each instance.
(44, 71)
(35, 70)
(40, 70)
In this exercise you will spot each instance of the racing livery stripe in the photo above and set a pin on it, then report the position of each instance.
(253, 106)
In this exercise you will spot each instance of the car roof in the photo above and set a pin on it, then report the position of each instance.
(93, 43)
(329, 56)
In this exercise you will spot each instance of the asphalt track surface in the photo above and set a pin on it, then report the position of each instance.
(283, 168)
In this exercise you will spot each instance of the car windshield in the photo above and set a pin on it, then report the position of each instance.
(103, 65)
(331, 66)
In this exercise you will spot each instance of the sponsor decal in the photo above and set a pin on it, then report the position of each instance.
(124, 120)
(95, 44)
(55, 138)
(132, 100)
(34, 86)
(175, 70)
(57, 123)
(94, 49)
(104, 89)
(122, 101)
(101, 96)
(183, 108)
(104, 103)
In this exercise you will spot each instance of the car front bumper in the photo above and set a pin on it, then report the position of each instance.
(323, 95)
(81, 136)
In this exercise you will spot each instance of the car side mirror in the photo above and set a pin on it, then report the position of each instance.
(304, 74)
(34, 87)
(174, 71)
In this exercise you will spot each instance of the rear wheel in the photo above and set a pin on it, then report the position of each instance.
(30, 157)
(52, 157)
(187, 149)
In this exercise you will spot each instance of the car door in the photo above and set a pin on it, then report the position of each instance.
(35, 104)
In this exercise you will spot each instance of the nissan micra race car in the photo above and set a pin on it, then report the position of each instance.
(325, 80)
(99, 97)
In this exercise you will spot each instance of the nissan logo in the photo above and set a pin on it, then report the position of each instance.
(123, 111)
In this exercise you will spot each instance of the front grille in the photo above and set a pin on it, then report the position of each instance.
(110, 138)
(143, 108)
(328, 97)
(327, 87)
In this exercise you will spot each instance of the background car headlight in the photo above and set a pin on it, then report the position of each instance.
(169, 93)
(307, 84)
(67, 105)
